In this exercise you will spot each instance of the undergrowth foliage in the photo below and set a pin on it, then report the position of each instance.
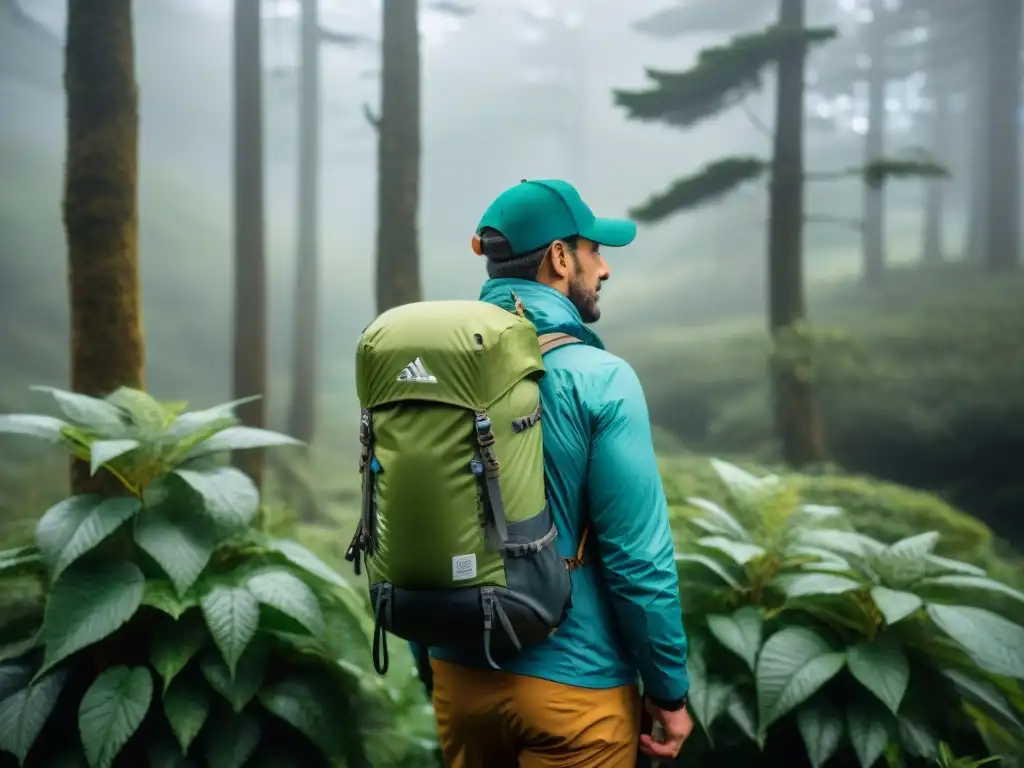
(175, 632)
(807, 636)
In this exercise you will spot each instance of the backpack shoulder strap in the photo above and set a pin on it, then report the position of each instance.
(550, 341)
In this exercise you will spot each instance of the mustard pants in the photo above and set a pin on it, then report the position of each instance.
(492, 719)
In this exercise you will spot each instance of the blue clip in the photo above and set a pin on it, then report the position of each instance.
(476, 467)
(375, 466)
(483, 426)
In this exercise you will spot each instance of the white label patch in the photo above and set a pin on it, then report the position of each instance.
(463, 567)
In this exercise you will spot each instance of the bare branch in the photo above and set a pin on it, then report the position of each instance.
(756, 121)
(460, 10)
(345, 39)
(371, 117)
(29, 22)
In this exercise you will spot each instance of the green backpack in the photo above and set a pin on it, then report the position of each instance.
(455, 532)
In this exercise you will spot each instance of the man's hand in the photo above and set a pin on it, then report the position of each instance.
(677, 726)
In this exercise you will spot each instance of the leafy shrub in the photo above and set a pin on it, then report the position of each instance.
(811, 641)
(175, 632)
(931, 397)
(882, 510)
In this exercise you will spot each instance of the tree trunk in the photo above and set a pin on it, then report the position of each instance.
(976, 234)
(302, 415)
(1003, 210)
(100, 207)
(797, 419)
(250, 331)
(932, 241)
(874, 148)
(398, 164)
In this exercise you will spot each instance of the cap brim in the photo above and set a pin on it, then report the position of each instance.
(614, 233)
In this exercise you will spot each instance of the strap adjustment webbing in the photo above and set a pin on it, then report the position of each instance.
(497, 528)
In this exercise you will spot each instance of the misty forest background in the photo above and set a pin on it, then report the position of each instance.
(826, 282)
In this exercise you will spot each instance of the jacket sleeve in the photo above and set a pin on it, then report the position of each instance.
(630, 518)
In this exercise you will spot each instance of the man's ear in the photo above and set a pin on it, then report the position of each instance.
(561, 263)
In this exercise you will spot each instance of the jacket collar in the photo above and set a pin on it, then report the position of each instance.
(549, 310)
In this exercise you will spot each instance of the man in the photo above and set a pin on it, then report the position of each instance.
(572, 700)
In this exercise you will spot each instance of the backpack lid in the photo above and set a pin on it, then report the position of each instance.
(462, 353)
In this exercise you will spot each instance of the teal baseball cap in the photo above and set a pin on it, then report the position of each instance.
(534, 213)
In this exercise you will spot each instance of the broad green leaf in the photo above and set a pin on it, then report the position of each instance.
(302, 558)
(963, 581)
(820, 511)
(868, 733)
(917, 738)
(741, 710)
(740, 551)
(111, 711)
(842, 542)
(230, 498)
(995, 643)
(90, 602)
(59, 523)
(103, 451)
(914, 547)
(716, 568)
(93, 528)
(181, 544)
(44, 427)
(986, 696)
(738, 481)
(193, 421)
(288, 594)
(24, 713)
(821, 727)
(238, 439)
(176, 645)
(708, 701)
(22, 561)
(806, 584)
(186, 706)
(164, 752)
(161, 594)
(825, 560)
(741, 632)
(302, 703)
(943, 565)
(906, 561)
(720, 519)
(98, 416)
(232, 741)
(239, 689)
(881, 668)
(14, 677)
(793, 665)
(145, 411)
(232, 614)
(895, 605)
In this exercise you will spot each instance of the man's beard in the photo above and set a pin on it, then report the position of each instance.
(585, 302)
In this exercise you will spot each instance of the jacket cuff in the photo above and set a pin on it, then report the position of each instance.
(669, 705)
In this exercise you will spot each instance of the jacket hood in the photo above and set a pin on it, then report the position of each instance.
(549, 310)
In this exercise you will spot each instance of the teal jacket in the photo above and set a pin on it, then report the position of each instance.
(626, 616)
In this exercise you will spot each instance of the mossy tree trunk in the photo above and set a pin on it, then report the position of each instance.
(1002, 252)
(250, 316)
(874, 148)
(797, 419)
(398, 166)
(100, 207)
(306, 313)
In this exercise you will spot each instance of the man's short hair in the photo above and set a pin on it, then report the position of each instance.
(501, 262)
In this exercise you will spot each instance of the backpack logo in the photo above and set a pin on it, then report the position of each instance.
(417, 371)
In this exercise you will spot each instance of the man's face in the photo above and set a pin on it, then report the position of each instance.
(589, 271)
